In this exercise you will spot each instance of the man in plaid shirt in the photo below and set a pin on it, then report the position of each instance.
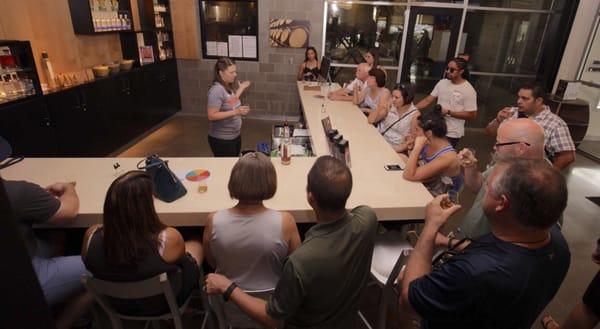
(559, 145)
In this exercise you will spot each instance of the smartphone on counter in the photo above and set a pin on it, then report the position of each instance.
(393, 167)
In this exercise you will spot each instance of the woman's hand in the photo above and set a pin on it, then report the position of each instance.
(244, 84)
(420, 142)
(243, 110)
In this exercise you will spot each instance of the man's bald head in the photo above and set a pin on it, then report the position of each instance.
(362, 71)
(522, 130)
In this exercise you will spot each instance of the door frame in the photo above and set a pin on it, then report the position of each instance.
(456, 28)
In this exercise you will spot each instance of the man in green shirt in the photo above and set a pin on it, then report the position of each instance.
(519, 137)
(321, 281)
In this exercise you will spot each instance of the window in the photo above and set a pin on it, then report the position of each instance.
(229, 29)
(354, 28)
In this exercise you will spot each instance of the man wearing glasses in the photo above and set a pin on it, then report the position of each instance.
(457, 97)
(503, 279)
(521, 138)
(559, 148)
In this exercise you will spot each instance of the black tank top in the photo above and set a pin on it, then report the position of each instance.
(183, 276)
(310, 74)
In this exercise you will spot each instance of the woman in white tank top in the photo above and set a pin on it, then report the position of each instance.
(398, 120)
(249, 242)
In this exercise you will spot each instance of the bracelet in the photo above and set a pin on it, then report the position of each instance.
(450, 242)
(228, 291)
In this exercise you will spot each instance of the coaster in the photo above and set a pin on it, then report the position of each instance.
(197, 175)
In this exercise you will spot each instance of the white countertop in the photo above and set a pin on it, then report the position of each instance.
(392, 197)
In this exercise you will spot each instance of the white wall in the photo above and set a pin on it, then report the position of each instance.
(575, 51)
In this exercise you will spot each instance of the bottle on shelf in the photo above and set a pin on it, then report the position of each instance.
(48, 71)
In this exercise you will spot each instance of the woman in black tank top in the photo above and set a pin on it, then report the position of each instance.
(309, 69)
(133, 245)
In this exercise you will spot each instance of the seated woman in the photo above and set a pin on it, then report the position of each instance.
(309, 69)
(249, 242)
(374, 95)
(397, 121)
(133, 245)
(371, 57)
(433, 161)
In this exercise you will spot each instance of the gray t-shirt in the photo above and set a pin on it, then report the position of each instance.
(31, 204)
(220, 98)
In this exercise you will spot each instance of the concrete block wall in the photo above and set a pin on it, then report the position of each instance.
(273, 93)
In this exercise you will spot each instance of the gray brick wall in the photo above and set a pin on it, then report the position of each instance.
(273, 92)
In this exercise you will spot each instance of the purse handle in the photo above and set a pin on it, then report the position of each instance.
(140, 165)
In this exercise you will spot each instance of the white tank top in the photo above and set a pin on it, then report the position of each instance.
(249, 250)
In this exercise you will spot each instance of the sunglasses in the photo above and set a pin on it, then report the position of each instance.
(497, 145)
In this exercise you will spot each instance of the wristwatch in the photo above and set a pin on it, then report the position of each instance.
(228, 291)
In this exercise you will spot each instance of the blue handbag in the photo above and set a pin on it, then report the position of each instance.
(167, 187)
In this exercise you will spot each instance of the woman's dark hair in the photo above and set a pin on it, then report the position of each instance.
(462, 65)
(407, 92)
(379, 77)
(221, 65)
(306, 53)
(432, 120)
(131, 225)
(375, 53)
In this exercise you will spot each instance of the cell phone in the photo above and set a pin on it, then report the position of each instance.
(393, 167)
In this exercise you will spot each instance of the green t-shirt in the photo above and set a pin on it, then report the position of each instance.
(322, 280)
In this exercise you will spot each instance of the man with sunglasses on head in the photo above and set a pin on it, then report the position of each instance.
(503, 279)
(559, 148)
(457, 97)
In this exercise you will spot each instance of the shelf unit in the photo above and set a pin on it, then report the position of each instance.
(99, 16)
(18, 75)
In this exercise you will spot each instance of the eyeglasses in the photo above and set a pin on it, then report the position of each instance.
(451, 69)
(447, 255)
(497, 145)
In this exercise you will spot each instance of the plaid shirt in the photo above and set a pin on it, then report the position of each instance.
(557, 137)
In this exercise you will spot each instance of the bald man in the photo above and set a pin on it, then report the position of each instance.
(345, 94)
(518, 137)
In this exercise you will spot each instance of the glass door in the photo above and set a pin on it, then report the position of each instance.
(432, 36)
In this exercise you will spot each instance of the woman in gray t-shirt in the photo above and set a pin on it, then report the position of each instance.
(225, 111)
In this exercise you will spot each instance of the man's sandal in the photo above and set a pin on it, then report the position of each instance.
(548, 322)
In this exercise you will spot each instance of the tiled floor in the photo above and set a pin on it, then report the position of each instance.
(185, 135)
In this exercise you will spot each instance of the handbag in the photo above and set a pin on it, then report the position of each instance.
(167, 187)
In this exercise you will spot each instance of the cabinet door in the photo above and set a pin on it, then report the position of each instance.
(28, 128)
(155, 96)
(80, 128)
(172, 86)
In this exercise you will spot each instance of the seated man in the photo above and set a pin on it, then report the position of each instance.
(322, 279)
(521, 138)
(57, 204)
(559, 148)
(503, 279)
(345, 94)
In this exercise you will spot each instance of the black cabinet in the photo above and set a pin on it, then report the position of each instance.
(161, 87)
(27, 127)
(94, 119)
(80, 117)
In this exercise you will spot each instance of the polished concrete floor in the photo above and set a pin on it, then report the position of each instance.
(185, 135)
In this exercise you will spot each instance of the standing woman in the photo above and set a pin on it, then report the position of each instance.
(225, 111)
(309, 69)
